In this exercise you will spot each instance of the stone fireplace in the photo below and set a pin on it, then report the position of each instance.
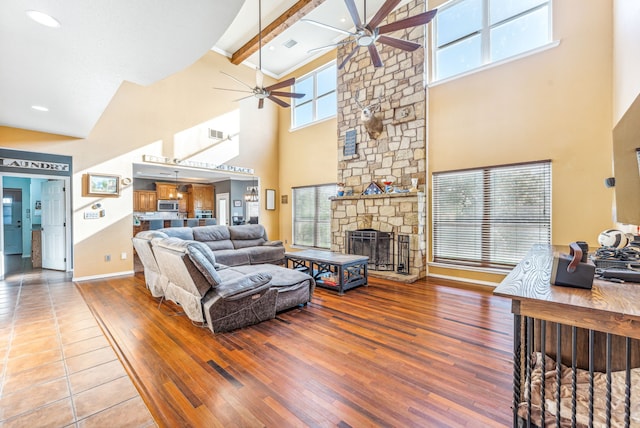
(397, 155)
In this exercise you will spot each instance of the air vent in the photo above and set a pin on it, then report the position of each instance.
(290, 43)
(216, 135)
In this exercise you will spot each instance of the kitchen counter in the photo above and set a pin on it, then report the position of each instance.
(144, 224)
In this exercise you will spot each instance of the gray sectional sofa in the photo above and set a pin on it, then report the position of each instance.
(233, 245)
(190, 273)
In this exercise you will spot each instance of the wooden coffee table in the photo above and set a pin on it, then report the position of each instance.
(334, 271)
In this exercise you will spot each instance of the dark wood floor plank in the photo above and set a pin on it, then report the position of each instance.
(432, 353)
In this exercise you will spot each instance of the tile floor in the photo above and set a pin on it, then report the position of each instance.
(57, 369)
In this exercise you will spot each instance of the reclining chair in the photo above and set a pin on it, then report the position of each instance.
(194, 283)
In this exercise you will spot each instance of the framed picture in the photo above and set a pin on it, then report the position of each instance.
(101, 185)
(271, 199)
(237, 203)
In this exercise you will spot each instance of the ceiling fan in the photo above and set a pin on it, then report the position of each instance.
(366, 35)
(260, 91)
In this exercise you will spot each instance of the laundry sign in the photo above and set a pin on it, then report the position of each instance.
(34, 164)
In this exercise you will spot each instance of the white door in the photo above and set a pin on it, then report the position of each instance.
(12, 220)
(222, 208)
(53, 225)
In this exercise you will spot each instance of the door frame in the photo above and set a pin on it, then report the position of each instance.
(226, 196)
(68, 217)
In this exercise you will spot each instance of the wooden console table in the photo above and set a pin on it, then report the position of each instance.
(348, 270)
(595, 330)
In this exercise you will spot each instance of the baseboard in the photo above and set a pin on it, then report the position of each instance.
(465, 280)
(103, 276)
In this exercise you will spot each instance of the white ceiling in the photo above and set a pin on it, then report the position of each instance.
(75, 70)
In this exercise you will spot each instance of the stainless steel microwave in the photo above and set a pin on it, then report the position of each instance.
(167, 205)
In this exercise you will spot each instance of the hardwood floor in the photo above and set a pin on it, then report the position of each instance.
(390, 354)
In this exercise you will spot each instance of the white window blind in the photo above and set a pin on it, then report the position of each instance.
(491, 216)
(312, 215)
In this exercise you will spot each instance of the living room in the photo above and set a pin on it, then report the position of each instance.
(560, 104)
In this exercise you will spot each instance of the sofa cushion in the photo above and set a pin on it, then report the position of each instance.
(246, 231)
(233, 257)
(280, 276)
(265, 254)
(246, 283)
(205, 261)
(185, 233)
(199, 255)
(216, 237)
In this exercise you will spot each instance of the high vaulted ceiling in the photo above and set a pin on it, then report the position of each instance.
(75, 70)
(284, 16)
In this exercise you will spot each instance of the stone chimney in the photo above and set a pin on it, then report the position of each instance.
(397, 94)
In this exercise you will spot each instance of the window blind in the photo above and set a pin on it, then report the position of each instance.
(490, 216)
(312, 215)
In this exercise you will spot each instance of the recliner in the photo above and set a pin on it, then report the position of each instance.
(203, 295)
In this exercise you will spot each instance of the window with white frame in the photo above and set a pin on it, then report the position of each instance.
(490, 217)
(319, 101)
(312, 215)
(468, 34)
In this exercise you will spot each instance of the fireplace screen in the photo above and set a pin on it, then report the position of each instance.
(377, 245)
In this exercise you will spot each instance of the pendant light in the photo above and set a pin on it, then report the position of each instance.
(252, 195)
(178, 194)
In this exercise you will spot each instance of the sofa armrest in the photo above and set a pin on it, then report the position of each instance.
(244, 286)
(272, 243)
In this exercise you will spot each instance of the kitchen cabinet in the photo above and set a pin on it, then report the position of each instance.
(166, 190)
(201, 197)
(144, 200)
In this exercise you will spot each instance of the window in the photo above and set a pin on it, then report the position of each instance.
(491, 216)
(471, 33)
(319, 101)
(312, 215)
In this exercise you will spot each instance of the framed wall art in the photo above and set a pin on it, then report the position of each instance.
(270, 199)
(104, 185)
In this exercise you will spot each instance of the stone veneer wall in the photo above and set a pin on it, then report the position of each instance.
(398, 154)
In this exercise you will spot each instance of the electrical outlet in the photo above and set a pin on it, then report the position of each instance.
(107, 257)
(123, 256)
(286, 241)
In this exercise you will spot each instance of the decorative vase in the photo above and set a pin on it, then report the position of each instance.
(414, 184)
(340, 189)
(388, 188)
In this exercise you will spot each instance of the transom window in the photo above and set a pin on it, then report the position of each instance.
(312, 215)
(320, 101)
(468, 34)
(491, 216)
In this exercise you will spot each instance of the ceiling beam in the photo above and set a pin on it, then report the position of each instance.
(284, 21)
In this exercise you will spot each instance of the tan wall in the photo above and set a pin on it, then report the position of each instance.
(145, 120)
(556, 105)
(626, 56)
(308, 156)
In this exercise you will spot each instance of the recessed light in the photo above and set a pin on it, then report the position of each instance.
(272, 48)
(343, 19)
(43, 19)
(40, 108)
